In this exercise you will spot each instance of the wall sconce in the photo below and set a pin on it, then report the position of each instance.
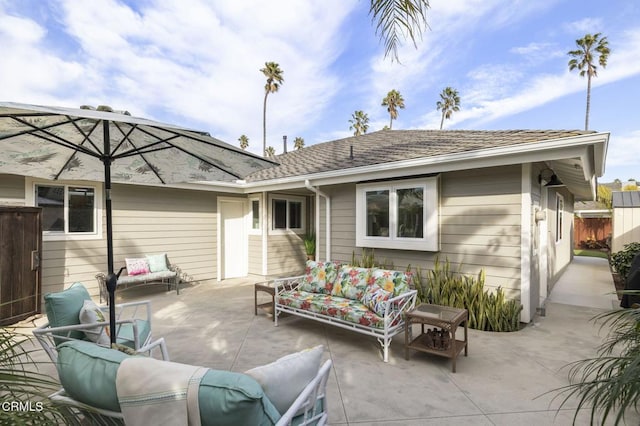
(550, 177)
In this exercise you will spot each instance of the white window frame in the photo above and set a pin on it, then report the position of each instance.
(251, 229)
(288, 199)
(430, 240)
(559, 218)
(30, 191)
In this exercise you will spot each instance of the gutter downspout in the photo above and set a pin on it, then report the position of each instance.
(328, 219)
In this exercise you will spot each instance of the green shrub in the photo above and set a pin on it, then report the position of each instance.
(21, 382)
(489, 311)
(368, 260)
(621, 260)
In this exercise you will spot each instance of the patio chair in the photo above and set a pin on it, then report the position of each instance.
(64, 310)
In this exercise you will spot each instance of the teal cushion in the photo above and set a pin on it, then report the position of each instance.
(63, 308)
(88, 373)
(125, 333)
(157, 262)
(229, 398)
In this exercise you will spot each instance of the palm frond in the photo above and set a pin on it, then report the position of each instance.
(399, 19)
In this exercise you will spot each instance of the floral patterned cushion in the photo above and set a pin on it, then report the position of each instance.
(351, 282)
(338, 307)
(319, 277)
(375, 297)
(396, 282)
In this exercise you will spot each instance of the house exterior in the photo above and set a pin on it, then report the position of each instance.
(626, 219)
(477, 198)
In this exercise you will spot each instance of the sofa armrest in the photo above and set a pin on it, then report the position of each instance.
(397, 306)
(287, 284)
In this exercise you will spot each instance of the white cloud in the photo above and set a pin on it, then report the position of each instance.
(584, 26)
(624, 149)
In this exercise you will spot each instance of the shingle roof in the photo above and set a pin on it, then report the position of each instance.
(394, 145)
(626, 199)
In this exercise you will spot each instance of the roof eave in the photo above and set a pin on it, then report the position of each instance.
(548, 150)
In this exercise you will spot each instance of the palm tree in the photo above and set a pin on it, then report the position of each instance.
(298, 143)
(450, 102)
(583, 59)
(244, 142)
(393, 101)
(273, 73)
(270, 151)
(359, 123)
(397, 18)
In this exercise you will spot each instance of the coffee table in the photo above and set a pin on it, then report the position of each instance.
(440, 342)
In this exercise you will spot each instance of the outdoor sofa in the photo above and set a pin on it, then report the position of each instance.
(369, 301)
(109, 386)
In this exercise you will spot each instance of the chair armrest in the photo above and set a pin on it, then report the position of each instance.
(47, 335)
(131, 310)
(307, 400)
(160, 344)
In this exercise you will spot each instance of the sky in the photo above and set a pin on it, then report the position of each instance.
(196, 63)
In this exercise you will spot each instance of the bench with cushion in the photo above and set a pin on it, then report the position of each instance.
(370, 301)
(150, 269)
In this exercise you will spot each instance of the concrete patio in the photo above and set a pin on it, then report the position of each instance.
(503, 381)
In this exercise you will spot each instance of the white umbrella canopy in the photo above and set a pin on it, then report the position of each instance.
(85, 144)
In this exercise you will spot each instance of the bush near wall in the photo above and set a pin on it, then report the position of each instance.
(621, 260)
(488, 311)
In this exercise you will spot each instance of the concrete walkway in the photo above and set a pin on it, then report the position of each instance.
(505, 380)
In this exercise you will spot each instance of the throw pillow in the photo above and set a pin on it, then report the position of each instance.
(396, 282)
(351, 282)
(375, 297)
(284, 379)
(157, 262)
(319, 277)
(91, 314)
(137, 266)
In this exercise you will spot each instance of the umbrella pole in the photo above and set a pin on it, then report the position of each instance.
(112, 279)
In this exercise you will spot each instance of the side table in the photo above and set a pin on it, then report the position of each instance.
(444, 343)
(268, 307)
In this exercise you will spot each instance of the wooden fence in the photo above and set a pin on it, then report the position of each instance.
(591, 232)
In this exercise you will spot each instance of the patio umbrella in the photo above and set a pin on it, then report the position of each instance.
(101, 145)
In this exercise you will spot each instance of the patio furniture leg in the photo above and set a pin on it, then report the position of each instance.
(385, 348)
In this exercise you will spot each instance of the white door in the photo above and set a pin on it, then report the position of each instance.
(234, 240)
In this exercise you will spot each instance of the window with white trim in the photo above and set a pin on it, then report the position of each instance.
(398, 214)
(287, 214)
(559, 217)
(68, 210)
(254, 216)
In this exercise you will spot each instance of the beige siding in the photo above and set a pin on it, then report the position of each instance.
(479, 226)
(145, 221)
(626, 227)
(286, 255)
(12, 190)
(255, 254)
